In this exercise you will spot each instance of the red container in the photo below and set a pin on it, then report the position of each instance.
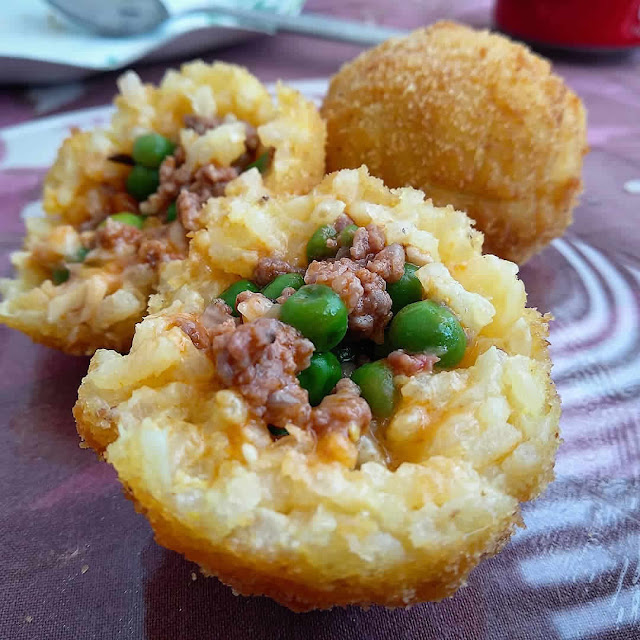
(572, 24)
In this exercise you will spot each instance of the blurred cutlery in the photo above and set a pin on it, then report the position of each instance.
(121, 18)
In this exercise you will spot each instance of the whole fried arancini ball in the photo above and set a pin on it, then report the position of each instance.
(432, 489)
(80, 285)
(472, 119)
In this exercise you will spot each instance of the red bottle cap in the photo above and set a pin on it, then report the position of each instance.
(572, 24)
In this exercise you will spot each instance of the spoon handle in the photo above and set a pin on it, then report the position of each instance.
(309, 24)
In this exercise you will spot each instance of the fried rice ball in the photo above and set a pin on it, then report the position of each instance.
(81, 285)
(472, 119)
(435, 488)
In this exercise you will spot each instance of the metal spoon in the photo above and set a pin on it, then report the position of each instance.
(132, 17)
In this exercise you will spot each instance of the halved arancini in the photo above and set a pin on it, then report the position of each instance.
(121, 202)
(332, 504)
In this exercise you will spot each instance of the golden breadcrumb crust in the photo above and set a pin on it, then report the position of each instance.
(464, 446)
(100, 307)
(473, 120)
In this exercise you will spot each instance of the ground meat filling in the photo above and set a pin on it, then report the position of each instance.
(176, 178)
(251, 144)
(196, 331)
(342, 411)
(188, 206)
(261, 359)
(388, 263)
(367, 242)
(216, 320)
(406, 364)
(211, 181)
(362, 291)
(216, 314)
(288, 405)
(162, 243)
(173, 175)
(151, 246)
(208, 181)
(118, 237)
(269, 268)
(154, 252)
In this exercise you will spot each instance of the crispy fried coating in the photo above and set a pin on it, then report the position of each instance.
(104, 297)
(409, 520)
(472, 119)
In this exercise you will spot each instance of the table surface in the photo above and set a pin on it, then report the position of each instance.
(76, 561)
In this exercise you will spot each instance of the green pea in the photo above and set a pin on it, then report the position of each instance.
(79, 255)
(58, 276)
(172, 212)
(318, 313)
(261, 163)
(406, 290)
(230, 294)
(126, 218)
(142, 182)
(429, 327)
(277, 432)
(375, 380)
(151, 149)
(345, 237)
(317, 246)
(275, 288)
(321, 376)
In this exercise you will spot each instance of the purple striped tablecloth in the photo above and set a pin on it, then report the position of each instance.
(76, 561)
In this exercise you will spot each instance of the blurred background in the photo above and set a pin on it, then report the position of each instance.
(48, 62)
